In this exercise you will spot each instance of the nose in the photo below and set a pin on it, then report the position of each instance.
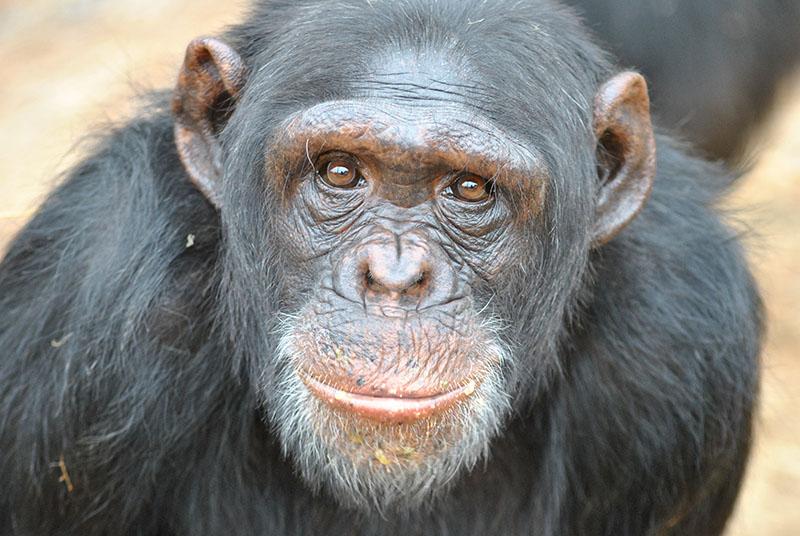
(396, 269)
(400, 269)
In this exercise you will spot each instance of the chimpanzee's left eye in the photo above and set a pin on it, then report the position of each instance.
(471, 188)
(340, 173)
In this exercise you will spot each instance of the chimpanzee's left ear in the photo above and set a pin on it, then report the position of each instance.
(626, 153)
(210, 80)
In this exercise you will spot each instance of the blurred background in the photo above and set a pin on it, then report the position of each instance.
(70, 66)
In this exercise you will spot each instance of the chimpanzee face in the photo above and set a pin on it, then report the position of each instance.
(399, 220)
(400, 224)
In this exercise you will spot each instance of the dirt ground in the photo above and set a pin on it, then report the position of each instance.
(69, 65)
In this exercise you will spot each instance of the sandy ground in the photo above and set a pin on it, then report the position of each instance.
(70, 65)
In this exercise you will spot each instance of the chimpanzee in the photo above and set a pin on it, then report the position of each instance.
(381, 268)
(714, 66)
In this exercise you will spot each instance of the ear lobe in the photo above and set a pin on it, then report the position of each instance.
(210, 81)
(626, 153)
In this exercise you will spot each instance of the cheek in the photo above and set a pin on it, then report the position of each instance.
(486, 244)
(487, 259)
(295, 235)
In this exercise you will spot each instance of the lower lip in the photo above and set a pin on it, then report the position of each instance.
(388, 409)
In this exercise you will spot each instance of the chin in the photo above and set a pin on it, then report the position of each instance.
(388, 454)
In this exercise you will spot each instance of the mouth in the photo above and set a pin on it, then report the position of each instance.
(396, 410)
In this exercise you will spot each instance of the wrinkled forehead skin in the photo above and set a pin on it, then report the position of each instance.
(412, 112)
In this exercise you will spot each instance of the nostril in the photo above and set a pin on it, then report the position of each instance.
(369, 279)
(417, 284)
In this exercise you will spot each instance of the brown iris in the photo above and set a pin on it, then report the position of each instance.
(341, 173)
(471, 188)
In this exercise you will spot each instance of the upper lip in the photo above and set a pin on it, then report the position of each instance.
(388, 409)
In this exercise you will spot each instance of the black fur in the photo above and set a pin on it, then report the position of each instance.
(714, 66)
(130, 357)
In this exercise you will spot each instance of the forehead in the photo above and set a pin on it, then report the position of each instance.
(426, 74)
(424, 78)
(415, 106)
(380, 124)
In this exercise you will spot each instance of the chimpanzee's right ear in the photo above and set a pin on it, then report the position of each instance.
(210, 81)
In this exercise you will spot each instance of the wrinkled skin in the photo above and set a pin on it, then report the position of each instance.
(399, 221)
(394, 336)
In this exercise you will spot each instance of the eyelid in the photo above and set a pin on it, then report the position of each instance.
(326, 158)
